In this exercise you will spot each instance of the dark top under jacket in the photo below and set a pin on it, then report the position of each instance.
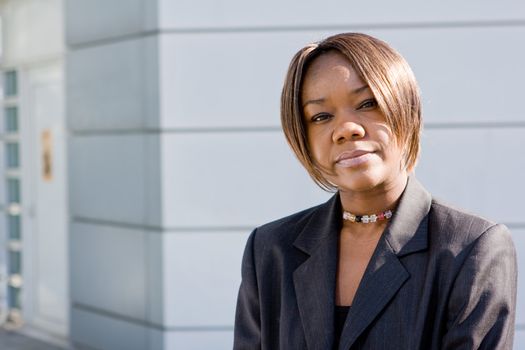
(438, 279)
(341, 312)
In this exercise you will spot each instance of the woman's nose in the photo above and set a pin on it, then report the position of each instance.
(347, 131)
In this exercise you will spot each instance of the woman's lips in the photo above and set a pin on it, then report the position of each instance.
(353, 158)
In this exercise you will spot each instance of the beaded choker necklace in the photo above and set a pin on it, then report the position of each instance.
(365, 219)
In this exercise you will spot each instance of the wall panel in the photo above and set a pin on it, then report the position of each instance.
(231, 80)
(232, 179)
(101, 332)
(113, 86)
(519, 338)
(115, 178)
(200, 340)
(477, 169)
(110, 269)
(202, 277)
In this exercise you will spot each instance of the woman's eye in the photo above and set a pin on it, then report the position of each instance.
(368, 104)
(320, 117)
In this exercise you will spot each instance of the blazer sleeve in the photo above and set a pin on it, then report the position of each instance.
(247, 330)
(482, 303)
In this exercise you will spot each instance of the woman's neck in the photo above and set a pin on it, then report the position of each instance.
(374, 201)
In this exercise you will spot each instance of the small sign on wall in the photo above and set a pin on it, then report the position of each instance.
(47, 155)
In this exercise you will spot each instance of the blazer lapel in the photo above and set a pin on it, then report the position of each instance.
(382, 279)
(385, 274)
(314, 279)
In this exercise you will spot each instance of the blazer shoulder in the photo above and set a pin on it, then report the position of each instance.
(284, 228)
(457, 228)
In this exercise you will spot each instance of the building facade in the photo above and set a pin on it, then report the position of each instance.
(136, 137)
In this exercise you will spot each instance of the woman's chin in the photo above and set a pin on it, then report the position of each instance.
(358, 183)
(370, 181)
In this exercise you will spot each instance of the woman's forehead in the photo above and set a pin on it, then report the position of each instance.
(327, 69)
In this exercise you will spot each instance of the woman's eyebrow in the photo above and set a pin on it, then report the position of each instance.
(360, 89)
(321, 100)
(317, 101)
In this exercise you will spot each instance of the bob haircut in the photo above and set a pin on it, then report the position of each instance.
(390, 79)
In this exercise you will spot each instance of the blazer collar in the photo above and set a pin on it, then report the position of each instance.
(315, 278)
(324, 224)
(407, 232)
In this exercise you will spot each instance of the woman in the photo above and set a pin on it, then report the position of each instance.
(382, 264)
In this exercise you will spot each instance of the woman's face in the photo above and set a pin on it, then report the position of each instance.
(347, 133)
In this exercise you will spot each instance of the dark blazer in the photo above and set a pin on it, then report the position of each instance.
(438, 279)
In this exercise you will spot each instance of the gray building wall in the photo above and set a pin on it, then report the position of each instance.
(176, 151)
